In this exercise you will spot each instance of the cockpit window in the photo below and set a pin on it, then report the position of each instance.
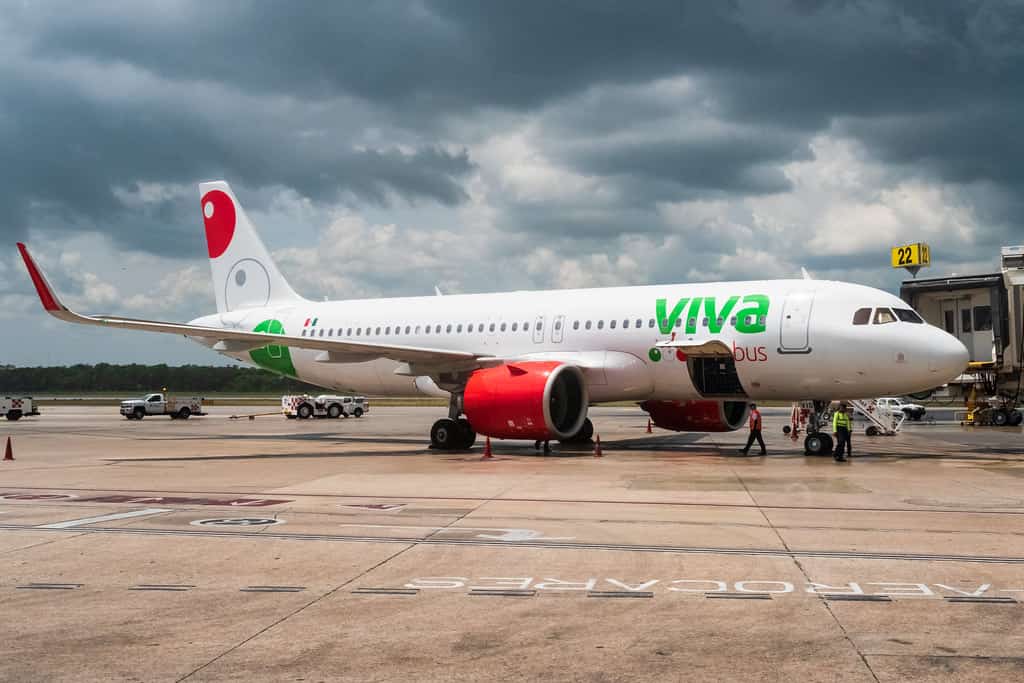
(883, 316)
(908, 316)
(862, 316)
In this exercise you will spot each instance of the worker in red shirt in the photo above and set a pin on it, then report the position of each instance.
(755, 431)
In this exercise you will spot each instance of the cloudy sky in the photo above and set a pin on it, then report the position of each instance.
(386, 147)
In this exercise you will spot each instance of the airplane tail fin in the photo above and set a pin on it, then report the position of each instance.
(244, 274)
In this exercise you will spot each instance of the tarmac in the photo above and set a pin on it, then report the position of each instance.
(270, 549)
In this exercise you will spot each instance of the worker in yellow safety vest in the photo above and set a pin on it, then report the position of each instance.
(842, 427)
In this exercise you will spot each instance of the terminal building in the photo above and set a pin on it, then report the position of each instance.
(986, 313)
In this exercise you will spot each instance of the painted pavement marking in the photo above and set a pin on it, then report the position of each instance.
(103, 518)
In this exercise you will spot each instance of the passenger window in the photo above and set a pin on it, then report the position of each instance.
(387, 330)
(650, 323)
(692, 322)
(587, 325)
(349, 333)
(359, 331)
(558, 324)
(664, 322)
(459, 328)
(761, 320)
(515, 327)
(862, 316)
(732, 321)
(575, 324)
(884, 316)
(437, 330)
(639, 323)
(625, 324)
(303, 333)
(330, 332)
(492, 327)
(611, 324)
(982, 318)
(720, 321)
(600, 324)
(426, 329)
(502, 328)
(526, 327)
(417, 329)
(704, 322)
(321, 331)
(448, 329)
(407, 329)
(679, 322)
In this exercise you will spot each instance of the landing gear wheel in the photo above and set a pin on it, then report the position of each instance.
(334, 411)
(1000, 418)
(1015, 418)
(468, 436)
(818, 444)
(445, 434)
(305, 411)
(584, 435)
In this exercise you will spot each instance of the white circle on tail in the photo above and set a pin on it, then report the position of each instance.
(208, 209)
(248, 285)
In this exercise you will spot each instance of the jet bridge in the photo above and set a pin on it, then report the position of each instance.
(986, 313)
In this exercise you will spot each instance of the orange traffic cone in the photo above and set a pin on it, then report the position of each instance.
(8, 452)
(597, 447)
(649, 427)
(487, 450)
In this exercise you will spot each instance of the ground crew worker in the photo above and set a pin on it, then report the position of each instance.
(842, 426)
(755, 431)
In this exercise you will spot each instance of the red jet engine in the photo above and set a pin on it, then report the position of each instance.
(538, 400)
(698, 416)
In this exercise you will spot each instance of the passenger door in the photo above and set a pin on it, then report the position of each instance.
(794, 331)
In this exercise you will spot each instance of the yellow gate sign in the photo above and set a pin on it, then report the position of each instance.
(911, 256)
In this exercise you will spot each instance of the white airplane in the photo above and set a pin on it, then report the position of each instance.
(527, 365)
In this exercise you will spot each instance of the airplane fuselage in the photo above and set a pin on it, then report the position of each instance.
(788, 339)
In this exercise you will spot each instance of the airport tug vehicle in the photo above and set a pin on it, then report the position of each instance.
(304, 406)
(178, 408)
(16, 407)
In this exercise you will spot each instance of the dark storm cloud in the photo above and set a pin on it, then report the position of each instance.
(935, 87)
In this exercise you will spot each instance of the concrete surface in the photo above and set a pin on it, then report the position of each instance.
(669, 558)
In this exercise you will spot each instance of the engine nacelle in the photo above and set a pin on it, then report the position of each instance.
(538, 400)
(698, 416)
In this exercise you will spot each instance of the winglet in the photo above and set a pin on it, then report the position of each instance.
(46, 294)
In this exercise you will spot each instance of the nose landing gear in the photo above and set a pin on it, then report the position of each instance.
(810, 417)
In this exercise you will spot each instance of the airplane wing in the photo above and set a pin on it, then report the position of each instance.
(337, 350)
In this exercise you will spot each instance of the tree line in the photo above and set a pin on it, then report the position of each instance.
(105, 377)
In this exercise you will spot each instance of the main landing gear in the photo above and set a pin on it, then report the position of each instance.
(452, 433)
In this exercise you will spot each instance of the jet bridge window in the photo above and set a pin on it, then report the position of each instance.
(982, 318)
(884, 316)
(862, 316)
(965, 320)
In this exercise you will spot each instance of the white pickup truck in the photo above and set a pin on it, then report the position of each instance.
(913, 411)
(179, 408)
(17, 407)
(304, 406)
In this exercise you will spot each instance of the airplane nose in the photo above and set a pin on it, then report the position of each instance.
(948, 358)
